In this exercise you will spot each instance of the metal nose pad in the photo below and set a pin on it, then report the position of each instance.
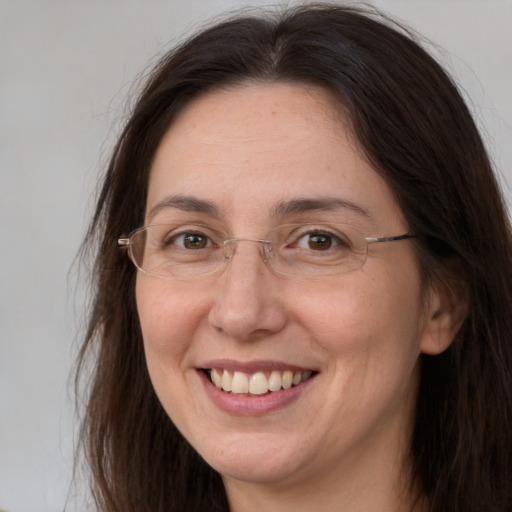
(265, 247)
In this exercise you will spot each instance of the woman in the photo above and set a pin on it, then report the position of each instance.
(316, 314)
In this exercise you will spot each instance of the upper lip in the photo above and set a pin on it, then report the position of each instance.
(252, 366)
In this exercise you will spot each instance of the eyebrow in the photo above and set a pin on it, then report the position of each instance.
(305, 205)
(186, 204)
(281, 209)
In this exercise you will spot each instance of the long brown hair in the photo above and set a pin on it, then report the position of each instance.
(416, 130)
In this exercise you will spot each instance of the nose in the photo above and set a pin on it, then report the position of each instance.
(248, 304)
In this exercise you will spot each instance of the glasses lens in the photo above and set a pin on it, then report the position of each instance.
(315, 250)
(300, 250)
(137, 243)
(175, 252)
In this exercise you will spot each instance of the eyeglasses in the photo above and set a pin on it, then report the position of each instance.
(300, 250)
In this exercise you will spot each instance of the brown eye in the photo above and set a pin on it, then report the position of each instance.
(319, 242)
(194, 241)
(189, 240)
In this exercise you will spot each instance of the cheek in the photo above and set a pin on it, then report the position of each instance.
(168, 319)
(169, 313)
(379, 316)
(371, 331)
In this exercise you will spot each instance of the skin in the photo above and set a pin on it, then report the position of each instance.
(342, 443)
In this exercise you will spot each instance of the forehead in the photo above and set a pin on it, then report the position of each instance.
(248, 148)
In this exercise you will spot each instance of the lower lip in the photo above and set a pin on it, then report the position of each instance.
(250, 405)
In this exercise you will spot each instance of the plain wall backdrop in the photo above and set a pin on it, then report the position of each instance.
(66, 71)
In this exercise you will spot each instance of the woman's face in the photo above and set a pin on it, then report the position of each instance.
(245, 160)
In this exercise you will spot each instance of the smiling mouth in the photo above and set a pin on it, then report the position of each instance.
(259, 383)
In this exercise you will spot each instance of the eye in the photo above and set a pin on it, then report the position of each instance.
(189, 240)
(319, 241)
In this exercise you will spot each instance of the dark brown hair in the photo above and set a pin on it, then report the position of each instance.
(417, 132)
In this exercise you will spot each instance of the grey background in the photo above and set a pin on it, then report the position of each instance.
(66, 70)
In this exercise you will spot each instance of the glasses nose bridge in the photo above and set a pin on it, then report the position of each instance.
(265, 247)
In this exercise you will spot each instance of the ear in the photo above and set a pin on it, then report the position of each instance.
(446, 310)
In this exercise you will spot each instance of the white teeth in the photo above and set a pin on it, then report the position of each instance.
(216, 378)
(227, 381)
(274, 383)
(240, 383)
(257, 383)
(287, 380)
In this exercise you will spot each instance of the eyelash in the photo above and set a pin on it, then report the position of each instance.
(172, 238)
(336, 240)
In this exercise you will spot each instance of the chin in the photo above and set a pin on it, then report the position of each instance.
(253, 460)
